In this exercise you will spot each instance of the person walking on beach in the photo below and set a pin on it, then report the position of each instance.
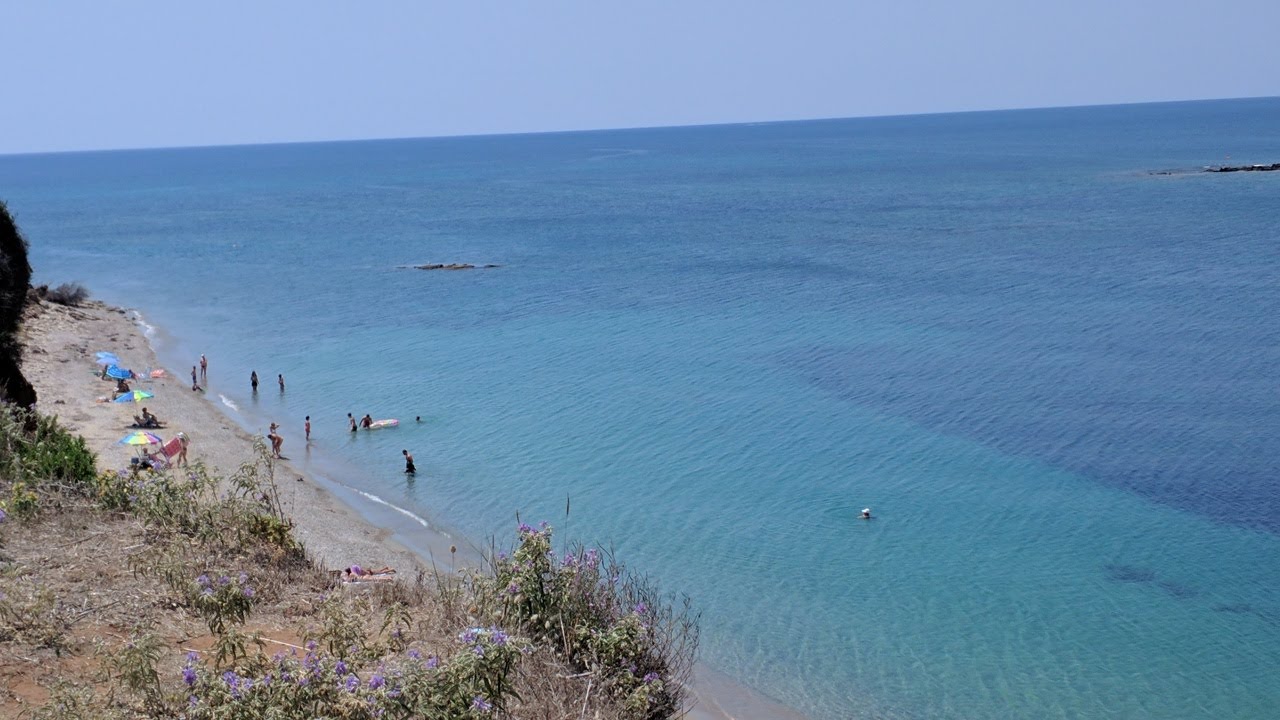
(182, 450)
(253, 379)
(409, 469)
(307, 427)
(194, 384)
(204, 368)
(280, 379)
(352, 422)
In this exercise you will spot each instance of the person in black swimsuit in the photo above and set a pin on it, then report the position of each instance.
(409, 469)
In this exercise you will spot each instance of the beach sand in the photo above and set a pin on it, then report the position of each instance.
(59, 360)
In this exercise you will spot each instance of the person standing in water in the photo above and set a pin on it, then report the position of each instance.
(276, 441)
(307, 427)
(204, 368)
(351, 421)
(409, 469)
(280, 379)
(253, 379)
(194, 385)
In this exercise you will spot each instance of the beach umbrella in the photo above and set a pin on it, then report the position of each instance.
(119, 373)
(107, 359)
(138, 437)
(134, 396)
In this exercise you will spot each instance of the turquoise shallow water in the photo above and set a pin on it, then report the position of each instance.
(1049, 372)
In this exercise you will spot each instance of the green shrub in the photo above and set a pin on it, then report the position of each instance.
(35, 453)
(602, 619)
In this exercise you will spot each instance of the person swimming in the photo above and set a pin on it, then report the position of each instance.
(866, 514)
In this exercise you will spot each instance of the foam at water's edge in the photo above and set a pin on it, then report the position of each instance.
(416, 518)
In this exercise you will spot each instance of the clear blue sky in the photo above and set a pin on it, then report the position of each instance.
(143, 73)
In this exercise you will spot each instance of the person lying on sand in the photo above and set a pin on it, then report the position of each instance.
(355, 573)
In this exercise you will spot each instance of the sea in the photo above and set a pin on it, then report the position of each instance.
(1041, 346)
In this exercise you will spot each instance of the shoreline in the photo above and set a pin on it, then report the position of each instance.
(60, 343)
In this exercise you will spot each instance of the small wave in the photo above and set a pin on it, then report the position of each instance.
(148, 330)
(227, 401)
(397, 508)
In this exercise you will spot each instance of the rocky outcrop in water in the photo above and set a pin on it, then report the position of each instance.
(1243, 168)
(15, 280)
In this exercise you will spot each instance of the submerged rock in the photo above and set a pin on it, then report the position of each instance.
(453, 266)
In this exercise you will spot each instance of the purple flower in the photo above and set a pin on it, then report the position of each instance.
(224, 580)
(3, 516)
(651, 677)
(641, 608)
(248, 591)
(376, 682)
(414, 654)
(525, 528)
(244, 578)
(189, 676)
(352, 683)
(203, 580)
(311, 644)
(192, 657)
(499, 638)
(230, 678)
(479, 703)
(340, 668)
(433, 661)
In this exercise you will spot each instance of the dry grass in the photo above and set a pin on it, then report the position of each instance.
(85, 587)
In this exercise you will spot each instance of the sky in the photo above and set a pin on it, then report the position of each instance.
(83, 74)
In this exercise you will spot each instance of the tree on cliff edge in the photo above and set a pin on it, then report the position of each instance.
(15, 279)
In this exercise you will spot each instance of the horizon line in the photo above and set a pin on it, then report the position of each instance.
(622, 128)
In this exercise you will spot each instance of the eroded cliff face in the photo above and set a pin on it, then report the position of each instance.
(15, 279)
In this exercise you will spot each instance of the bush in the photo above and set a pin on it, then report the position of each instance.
(70, 294)
(601, 619)
(37, 453)
(472, 683)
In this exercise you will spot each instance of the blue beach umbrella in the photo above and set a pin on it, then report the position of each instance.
(106, 358)
(134, 396)
(118, 372)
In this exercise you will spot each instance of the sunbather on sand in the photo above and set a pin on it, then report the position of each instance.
(147, 420)
(355, 573)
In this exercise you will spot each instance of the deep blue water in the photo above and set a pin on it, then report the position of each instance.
(1051, 374)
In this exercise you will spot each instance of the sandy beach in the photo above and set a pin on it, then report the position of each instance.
(59, 361)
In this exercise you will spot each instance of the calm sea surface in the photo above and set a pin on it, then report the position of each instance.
(1051, 374)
